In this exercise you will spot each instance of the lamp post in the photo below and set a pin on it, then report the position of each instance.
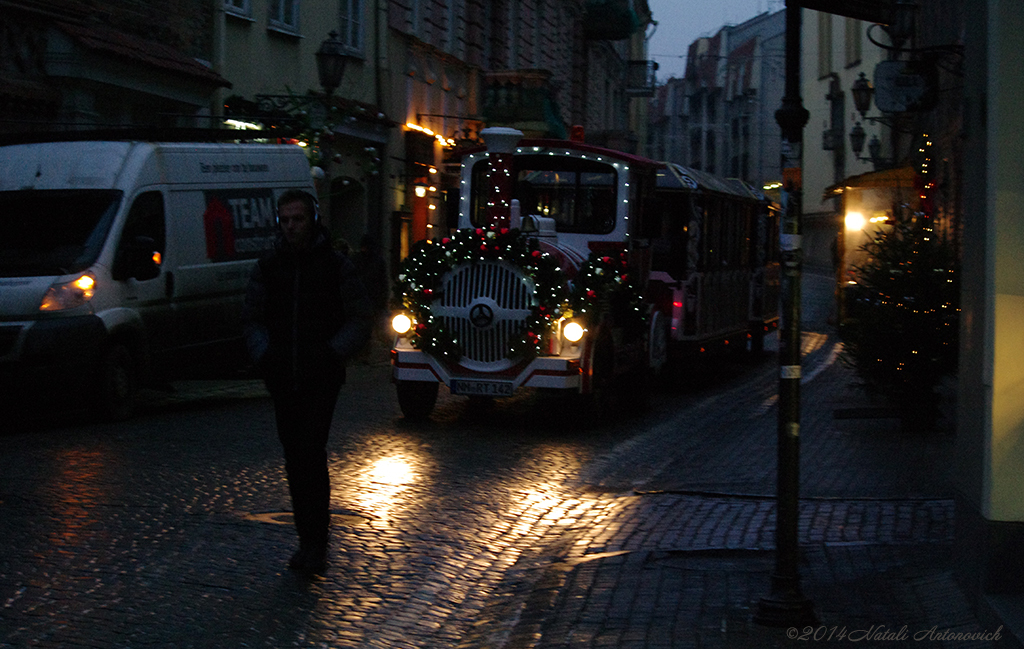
(785, 605)
(331, 59)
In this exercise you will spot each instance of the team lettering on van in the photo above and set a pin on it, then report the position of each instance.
(240, 223)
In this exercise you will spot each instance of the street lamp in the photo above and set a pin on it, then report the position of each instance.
(862, 92)
(857, 136)
(331, 59)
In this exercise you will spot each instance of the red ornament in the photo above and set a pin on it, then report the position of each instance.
(504, 230)
(606, 260)
(536, 253)
(483, 247)
(479, 232)
(446, 240)
(591, 292)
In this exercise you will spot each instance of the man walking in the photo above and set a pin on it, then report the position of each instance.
(305, 314)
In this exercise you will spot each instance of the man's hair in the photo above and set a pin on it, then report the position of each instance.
(297, 196)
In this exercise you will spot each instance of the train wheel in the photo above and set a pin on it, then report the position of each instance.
(757, 342)
(417, 398)
(657, 360)
(601, 404)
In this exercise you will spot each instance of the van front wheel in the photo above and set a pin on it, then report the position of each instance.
(117, 383)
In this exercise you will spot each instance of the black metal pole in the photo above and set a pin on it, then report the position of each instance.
(786, 605)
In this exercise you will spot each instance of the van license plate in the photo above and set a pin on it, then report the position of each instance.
(482, 388)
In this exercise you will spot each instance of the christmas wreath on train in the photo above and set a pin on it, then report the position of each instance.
(601, 283)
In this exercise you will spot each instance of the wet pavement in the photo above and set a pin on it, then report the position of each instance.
(497, 528)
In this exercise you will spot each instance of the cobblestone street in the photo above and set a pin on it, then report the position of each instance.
(493, 528)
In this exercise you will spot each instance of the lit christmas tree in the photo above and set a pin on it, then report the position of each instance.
(901, 333)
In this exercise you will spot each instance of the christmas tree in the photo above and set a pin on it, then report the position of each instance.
(901, 329)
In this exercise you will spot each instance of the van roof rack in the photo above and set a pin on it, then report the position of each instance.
(185, 134)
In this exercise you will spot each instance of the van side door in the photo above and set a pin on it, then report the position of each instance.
(146, 283)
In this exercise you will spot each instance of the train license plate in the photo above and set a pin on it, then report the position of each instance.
(482, 388)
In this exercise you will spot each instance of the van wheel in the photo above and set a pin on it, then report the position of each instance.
(117, 384)
(417, 398)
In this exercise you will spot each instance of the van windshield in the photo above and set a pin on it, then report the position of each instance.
(54, 232)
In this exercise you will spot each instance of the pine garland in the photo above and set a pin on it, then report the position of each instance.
(423, 269)
(602, 285)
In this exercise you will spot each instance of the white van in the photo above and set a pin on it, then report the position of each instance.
(126, 262)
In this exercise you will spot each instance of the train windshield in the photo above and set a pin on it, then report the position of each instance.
(53, 232)
(578, 194)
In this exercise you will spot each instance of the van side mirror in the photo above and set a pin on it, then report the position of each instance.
(139, 259)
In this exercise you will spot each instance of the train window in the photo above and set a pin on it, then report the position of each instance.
(672, 211)
(578, 194)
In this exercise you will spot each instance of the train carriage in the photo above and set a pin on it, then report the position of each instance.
(572, 269)
(715, 259)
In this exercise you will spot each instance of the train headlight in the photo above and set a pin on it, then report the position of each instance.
(573, 331)
(401, 323)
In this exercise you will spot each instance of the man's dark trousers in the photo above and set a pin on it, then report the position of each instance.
(303, 425)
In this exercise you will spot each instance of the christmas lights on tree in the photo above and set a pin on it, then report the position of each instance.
(901, 335)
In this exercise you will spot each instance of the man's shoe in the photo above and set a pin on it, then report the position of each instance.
(299, 559)
(316, 560)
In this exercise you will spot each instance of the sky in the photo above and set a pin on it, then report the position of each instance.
(680, 22)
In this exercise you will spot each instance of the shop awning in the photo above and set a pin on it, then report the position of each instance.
(887, 178)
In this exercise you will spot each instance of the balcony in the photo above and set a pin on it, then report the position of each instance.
(523, 99)
(640, 79)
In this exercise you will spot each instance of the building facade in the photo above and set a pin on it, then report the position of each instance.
(720, 117)
(84, 64)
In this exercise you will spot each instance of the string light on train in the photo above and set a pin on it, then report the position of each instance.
(423, 269)
(470, 160)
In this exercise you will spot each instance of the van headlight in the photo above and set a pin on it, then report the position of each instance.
(573, 331)
(68, 295)
(401, 323)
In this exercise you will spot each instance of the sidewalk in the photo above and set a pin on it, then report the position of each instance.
(693, 547)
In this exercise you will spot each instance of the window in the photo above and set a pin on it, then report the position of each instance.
(242, 8)
(284, 15)
(141, 248)
(853, 42)
(352, 24)
(46, 232)
(824, 45)
(578, 194)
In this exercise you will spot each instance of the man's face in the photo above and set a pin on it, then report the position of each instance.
(296, 224)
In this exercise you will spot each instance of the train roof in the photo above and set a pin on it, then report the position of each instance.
(576, 146)
(676, 176)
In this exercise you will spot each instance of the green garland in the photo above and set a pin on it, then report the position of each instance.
(422, 270)
(602, 285)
